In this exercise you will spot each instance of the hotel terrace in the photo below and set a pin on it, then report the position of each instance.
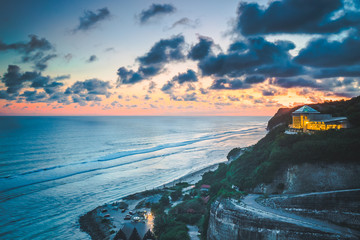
(307, 119)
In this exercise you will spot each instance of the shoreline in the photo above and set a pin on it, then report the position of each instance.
(92, 223)
(191, 178)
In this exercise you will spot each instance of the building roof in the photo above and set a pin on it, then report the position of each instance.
(336, 119)
(306, 109)
(205, 186)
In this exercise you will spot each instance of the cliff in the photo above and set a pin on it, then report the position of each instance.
(284, 164)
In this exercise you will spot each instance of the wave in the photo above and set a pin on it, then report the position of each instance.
(57, 172)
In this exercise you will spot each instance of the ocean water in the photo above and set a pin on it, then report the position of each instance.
(54, 169)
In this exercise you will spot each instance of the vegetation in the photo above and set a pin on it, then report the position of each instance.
(233, 152)
(259, 164)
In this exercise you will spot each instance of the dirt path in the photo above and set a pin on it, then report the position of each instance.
(250, 204)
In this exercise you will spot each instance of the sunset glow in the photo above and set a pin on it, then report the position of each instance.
(181, 58)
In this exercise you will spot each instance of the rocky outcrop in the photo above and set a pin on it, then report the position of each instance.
(229, 221)
(313, 178)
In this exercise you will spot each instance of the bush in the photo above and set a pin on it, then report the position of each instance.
(175, 195)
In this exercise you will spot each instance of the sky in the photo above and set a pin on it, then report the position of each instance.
(196, 58)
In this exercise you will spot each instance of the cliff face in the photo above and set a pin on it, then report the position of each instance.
(313, 178)
(231, 222)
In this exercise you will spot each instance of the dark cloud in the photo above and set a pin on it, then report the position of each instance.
(152, 86)
(237, 47)
(259, 56)
(188, 76)
(40, 60)
(34, 96)
(15, 81)
(324, 53)
(128, 76)
(90, 19)
(92, 58)
(155, 10)
(201, 49)
(294, 16)
(62, 77)
(185, 22)
(189, 97)
(224, 83)
(254, 79)
(35, 44)
(5, 95)
(90, 86)
(77, 99)
(295, 82)
(34, 51)
(269, 92)
(163, 52)
(167, 86)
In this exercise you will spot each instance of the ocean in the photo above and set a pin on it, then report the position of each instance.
(54, 169)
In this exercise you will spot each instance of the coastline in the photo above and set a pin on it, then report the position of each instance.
(191, 178)
(92, 222)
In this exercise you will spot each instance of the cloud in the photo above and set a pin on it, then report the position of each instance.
(295, 82)
(5, 95)
(90, 19)
(352, 71)
(34, 96)
(259, 57)
(269, 92)
(321, 52)
(201, 49)
(295, 16)
(167, 86)
(62, 77)
(90, 86)
(35, 44)
(188, 76)
(155, 10)
(68, 57)
(189, 97)
(15, 80)
(152, 86)
(92, 58)
(227, 84)
(34, 51)
(203, 91)
(185, 22)
(128, 76)
(161, 53)
(254, 79)
(233, 98)
(164, 51)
